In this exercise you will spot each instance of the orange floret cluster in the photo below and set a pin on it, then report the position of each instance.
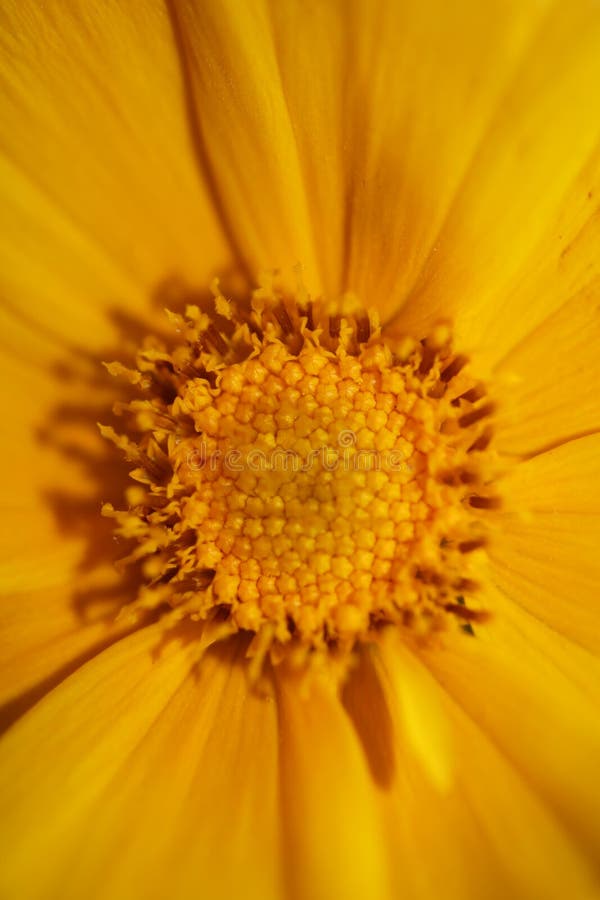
(302, 477)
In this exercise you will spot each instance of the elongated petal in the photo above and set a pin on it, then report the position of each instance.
(311, 45)
(334, 837)
(60, 594)
(98, 174)
(155, 779)
(459, 838)
(425, 81)
(247, 134)
(47, 632)
(552, 379)
(337, 133)
(519, 238)
(545, 553)
(535, 698)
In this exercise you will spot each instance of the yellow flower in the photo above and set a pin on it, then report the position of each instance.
(441, 163)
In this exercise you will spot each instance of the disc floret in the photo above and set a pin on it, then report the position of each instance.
(302, 478)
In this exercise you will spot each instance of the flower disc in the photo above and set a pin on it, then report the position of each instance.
(304, 479)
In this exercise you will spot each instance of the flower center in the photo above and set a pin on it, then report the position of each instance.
(304, 479)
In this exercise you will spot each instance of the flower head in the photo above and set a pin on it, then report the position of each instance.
(324, 622)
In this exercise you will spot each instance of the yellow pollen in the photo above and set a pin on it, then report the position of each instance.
(302, 478)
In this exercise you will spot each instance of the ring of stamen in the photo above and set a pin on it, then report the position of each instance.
(304, 479)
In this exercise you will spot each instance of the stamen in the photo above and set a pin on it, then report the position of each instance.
(302, 478)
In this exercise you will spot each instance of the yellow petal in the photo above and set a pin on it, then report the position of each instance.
(82, 753)
(54, 464)
(98, 175)
(322, 126)
(333, 833)
(424, 724)
(459, 838)
(55, 281)
(537, 702)
(545, 554)
(424, 82)
(155, 780)
(59, 592)
(518, 240)
(247, 134)
(552, 379)
(46, 633)
(312, 55)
